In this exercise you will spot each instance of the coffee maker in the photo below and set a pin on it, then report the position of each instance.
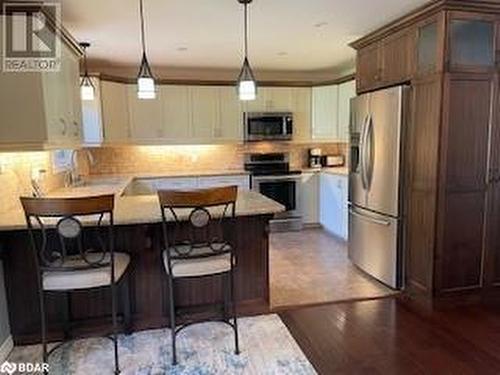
(315, 158)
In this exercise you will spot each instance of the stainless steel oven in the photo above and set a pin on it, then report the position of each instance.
(271, 176)
(268, 126)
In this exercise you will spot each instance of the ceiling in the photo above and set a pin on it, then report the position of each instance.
(285, 35)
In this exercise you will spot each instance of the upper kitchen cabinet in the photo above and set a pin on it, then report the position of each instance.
(347, 91)
(115, 112)
(229, 126)
(386, 62)
(397, 57)
(93, 134)
(145, 116)
(368, 69)
(301, 108)
(331, 111)
(42, 110)
(271, 99)
(430, 46)
(325, 113)
(278, 99)
(472, 42)
(176, 112)
(204, 112)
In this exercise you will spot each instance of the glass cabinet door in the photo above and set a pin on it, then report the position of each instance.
(472, 43)
(427, 46)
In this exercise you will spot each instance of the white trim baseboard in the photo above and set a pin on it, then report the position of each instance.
(6, 348)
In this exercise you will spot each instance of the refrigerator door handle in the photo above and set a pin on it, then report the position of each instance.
(369, 155)
(364, 134)
(369, 218)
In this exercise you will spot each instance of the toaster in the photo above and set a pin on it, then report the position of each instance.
(333, 161)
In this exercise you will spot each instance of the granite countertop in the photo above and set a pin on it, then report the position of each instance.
(140, 209)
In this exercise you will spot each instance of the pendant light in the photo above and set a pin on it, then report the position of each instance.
(87, 89)
(145, 79)
(247, 86)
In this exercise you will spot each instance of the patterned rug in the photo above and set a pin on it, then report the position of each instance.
(208, 348)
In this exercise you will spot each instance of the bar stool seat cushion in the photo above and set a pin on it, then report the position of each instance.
(211, 264)
(85, 279)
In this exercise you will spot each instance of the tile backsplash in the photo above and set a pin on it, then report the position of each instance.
(16, 168)
(165, 159)
(15, 176)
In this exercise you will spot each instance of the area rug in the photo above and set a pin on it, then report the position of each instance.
(208, 348)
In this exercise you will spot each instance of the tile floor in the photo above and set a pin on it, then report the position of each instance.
(312, 267)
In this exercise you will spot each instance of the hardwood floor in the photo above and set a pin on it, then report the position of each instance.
(385, 337)
(312, 267)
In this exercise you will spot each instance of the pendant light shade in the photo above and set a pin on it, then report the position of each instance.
(247, 88)
(145, 80)
(87, 89)
(246, 84)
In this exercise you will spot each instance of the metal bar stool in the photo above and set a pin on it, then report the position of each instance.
(198, 248)
(73, 244)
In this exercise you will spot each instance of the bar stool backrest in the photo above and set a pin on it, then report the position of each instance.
(208, 213)
(71, 234)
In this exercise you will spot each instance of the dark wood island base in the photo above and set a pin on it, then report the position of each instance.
(90, 311)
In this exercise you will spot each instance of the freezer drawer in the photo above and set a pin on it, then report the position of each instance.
(373, 245)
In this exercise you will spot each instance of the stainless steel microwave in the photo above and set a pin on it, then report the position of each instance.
(268, 126)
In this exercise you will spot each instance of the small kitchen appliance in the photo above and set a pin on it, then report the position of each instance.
(315, 158)
(333, 161)
(268, 126)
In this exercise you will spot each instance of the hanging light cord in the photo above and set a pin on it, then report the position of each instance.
(85, 62)
(246, 30)
(143, 39)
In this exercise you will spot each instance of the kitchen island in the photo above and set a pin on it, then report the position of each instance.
(137, 232)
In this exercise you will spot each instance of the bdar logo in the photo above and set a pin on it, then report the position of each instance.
(8, 368)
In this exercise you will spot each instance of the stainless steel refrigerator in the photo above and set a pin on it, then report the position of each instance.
(375, 179)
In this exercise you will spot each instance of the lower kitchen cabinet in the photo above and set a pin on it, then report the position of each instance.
(333, 211)
(147, 186)
(308, 198)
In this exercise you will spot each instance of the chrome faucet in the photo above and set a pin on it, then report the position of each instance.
(73, 178)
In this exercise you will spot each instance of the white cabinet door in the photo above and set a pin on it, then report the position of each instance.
(54, 102)
(259, 104)
(115, 112)
(301, 108)
(204, 112)
(278, 99)
(308, 195)
(324, 119)
(242, 181)
(74, 103)
(146, 116)
(176, 113)
(333, 204)
(229, 126)
(92, 117)
(347, 91)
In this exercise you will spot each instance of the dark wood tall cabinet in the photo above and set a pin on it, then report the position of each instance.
(449, 52)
